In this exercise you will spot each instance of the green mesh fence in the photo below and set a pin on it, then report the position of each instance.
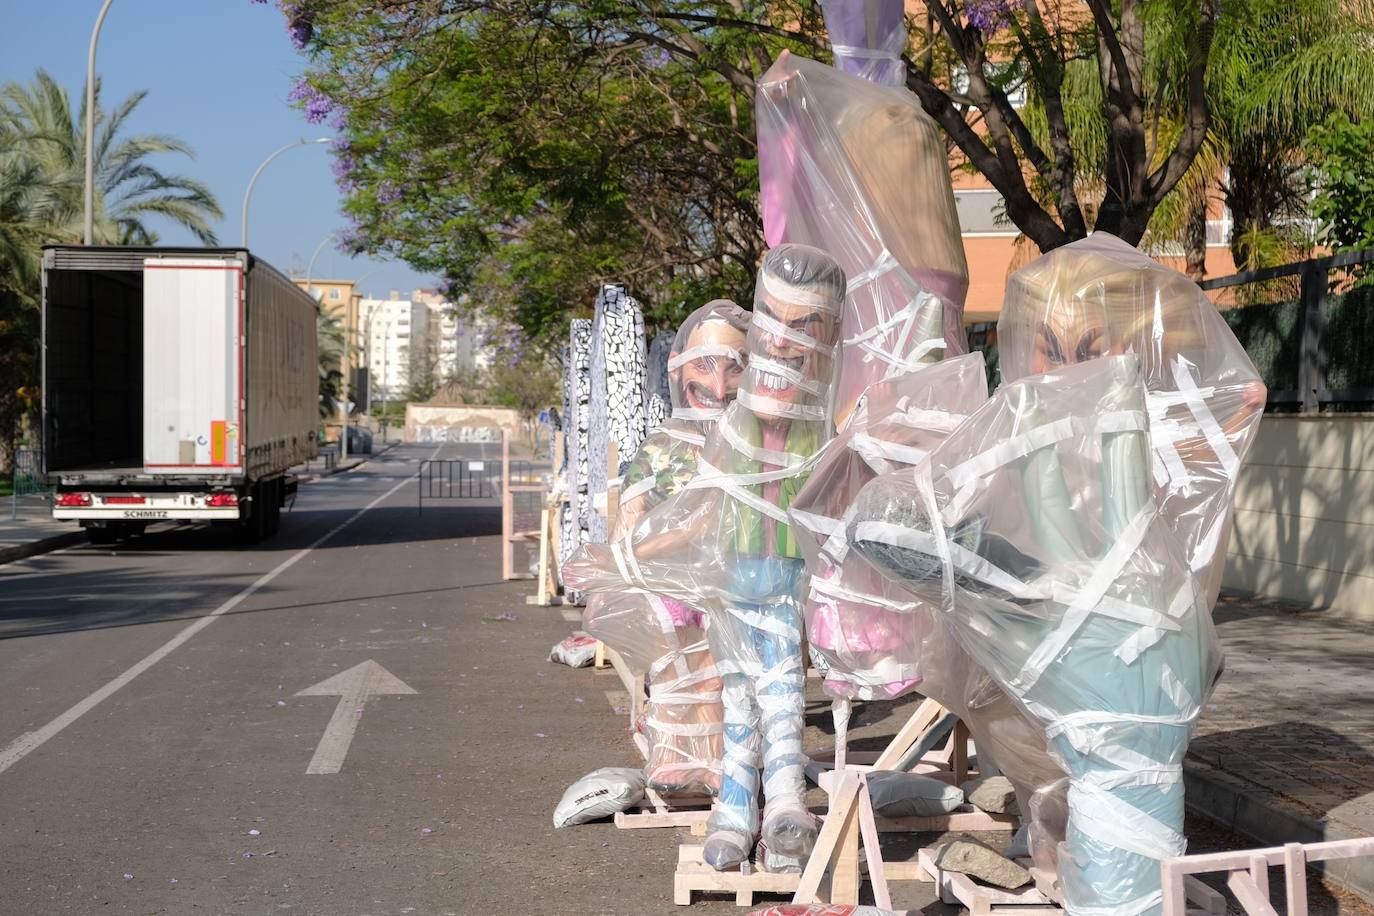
(1349, 340)
(1272, 334)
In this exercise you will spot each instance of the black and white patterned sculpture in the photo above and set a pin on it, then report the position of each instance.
(617, 392)
(657, 400)
(575, 429)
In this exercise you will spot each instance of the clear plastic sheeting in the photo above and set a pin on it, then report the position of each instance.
(723, 543)
(860, 171)
(660, 637)
(1099, 296)
(867, 38)
(1035, 528)
(868, 635)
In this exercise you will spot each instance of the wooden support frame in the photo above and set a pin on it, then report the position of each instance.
(694, 875)
(1248, 874)
(691, 811)
(509, 536)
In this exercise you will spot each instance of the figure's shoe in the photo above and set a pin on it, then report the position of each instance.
(790, 833)
(725, 849)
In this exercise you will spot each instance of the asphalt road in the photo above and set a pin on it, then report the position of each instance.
(157, 756)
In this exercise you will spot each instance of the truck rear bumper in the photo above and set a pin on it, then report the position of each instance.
(145, 506)
(146, 514)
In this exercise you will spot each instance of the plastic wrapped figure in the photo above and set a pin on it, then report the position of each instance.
(859, 170)
(1035, 525)
(868, 635)
(663, 637)
(1099, 296)
(725, 540)
(867, 38)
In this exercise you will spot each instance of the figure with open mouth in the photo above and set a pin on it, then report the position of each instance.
(661, 636)
(724, 543)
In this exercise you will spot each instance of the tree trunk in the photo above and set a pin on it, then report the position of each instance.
(1196, 240)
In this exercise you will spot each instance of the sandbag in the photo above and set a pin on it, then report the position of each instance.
(599, 794)
(575, 651)
(911, 795)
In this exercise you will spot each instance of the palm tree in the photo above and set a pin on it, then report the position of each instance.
(129, 189)
(1276, 68)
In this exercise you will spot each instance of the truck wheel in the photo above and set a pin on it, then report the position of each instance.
(253, 529)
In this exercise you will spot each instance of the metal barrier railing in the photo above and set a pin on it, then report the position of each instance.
(28, 478)
(456, 478)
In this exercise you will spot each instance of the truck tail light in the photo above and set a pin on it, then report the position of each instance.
(221, 500)
(73, 500)
(124, 500)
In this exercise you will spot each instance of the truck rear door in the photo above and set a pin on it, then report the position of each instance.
(193, 364)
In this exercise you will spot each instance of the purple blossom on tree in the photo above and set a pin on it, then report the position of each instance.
(388, 192)
(988, 16)
(317, 104)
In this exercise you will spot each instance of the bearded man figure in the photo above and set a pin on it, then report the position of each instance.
(723, 543)
(659, 636)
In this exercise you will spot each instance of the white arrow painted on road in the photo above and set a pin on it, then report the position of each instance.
(352, 687)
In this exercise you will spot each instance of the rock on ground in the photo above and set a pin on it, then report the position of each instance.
(969, 857)
(994, 794)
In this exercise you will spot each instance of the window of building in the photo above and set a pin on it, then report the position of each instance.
(982, 212)
(334, 293)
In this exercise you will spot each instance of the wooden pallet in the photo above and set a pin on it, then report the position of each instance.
(1042, 898)
(1247, 874)
(694, 875)
(691, 811)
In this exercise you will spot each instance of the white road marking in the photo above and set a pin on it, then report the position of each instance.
(352, 687)
(29, 742)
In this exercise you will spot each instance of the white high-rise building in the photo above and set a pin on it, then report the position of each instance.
(395, 336)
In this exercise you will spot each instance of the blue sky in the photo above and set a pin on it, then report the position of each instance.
(218, 73)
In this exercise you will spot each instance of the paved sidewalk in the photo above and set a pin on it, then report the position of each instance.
(33, 531)
(1285, 749)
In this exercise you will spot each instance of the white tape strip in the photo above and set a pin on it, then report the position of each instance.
(1085, 603)
(779, 288)
(765, 622)
(1111, 820)
(697, 352)
(864, 54)
(770, 325)
(871, 447)
(686, 731)
(772, 407)
(1197, 406)
(961, 558)
(775, 457)
(829, 588)
(881, 265)
(637, 489)
(696, 413)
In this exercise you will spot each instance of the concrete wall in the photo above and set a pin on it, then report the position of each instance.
(1304, 522)
(460, 424)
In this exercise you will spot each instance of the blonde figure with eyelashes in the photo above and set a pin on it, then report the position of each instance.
(1101, 297)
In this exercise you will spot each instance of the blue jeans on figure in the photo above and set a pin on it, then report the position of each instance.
(757, 647)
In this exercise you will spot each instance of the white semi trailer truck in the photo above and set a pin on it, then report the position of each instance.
(179, 384)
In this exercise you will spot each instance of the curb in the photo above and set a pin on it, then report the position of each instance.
(1254, 812)
(340, 469)
(42, 545)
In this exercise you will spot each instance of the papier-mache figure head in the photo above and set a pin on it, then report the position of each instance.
(792, 338)
(1101, 297)
(707, 360)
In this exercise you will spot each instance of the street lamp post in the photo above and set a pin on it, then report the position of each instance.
(89, 230)
(248, 194)
(343, 358)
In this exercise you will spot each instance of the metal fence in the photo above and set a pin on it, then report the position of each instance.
(28, 478)
(1313, 345)
(457, 478)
